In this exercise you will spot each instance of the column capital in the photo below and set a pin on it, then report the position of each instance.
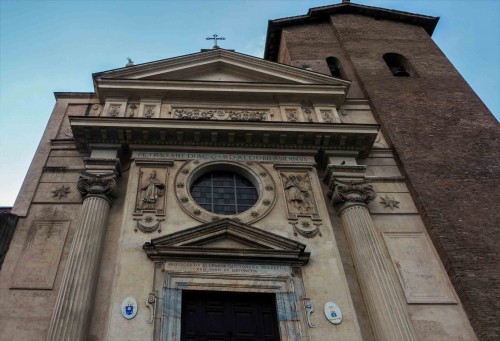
(97, 185)
(347, 194)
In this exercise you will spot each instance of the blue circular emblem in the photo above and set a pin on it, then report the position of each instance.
(129, 308)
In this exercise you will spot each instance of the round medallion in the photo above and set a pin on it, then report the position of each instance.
(332, 313)
(212, 190)
(129, 308)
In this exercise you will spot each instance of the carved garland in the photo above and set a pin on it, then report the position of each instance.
(220, 114)
(266, 189)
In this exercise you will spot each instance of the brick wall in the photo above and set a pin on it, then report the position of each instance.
(446, 140)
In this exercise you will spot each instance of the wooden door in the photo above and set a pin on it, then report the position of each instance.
(228, 316)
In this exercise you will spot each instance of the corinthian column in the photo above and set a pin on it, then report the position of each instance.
(388, 316)
(70, 320)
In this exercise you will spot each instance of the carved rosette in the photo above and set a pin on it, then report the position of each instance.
(194, 168)
(349, 194)
(114, 110)
(97, 185)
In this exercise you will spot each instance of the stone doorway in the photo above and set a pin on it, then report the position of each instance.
(228, 316)
(224, 257)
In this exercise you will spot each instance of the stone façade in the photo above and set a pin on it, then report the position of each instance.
(127, 132)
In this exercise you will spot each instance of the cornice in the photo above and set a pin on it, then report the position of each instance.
(71, 95)
(163, 123)
(125, 87)
(234, 58)
(231, 134)
(188, 85)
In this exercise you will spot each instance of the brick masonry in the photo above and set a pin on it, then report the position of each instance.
(446, 140)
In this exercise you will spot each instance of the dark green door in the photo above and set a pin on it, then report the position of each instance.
(228, 316)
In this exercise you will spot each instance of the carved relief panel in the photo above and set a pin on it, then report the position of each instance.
(151, 190)
(149, 109)
(115, 107)
(328, 115)
(301, 205)
(308, 112)
(132, 109)
(418, 270)
(221, 114)
(291, 114)
(298, 192)
(38, 265)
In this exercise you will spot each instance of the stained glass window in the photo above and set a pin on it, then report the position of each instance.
(224, 192)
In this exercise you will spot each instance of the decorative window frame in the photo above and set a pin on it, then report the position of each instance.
(253, 171)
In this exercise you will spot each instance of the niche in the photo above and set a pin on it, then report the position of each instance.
(334, 66)
(399, 65)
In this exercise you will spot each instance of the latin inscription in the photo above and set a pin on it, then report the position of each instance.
(224, 157)
(418, 270)
(226, 268)
(37, 268)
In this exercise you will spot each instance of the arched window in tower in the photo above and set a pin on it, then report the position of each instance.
(399, 65)
(334, 66)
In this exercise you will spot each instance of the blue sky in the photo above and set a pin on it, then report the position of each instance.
(48, 46)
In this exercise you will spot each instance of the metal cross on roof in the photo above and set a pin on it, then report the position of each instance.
(215, 38)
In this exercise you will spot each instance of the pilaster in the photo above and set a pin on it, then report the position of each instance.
(97, 184)
(388, 316)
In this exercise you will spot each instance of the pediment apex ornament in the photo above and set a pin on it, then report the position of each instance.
(97, 185)
(352, 193)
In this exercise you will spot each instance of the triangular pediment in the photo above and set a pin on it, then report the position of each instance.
(219, 66)
(227, 239)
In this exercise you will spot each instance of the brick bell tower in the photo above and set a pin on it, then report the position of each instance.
(445, 139)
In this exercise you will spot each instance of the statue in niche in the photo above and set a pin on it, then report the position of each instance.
(151, 190)
(299, 192)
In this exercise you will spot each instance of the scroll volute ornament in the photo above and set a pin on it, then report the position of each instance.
(352, 193)
(99, 185)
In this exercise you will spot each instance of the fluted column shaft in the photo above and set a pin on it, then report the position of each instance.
(388, 316)
(70, 320)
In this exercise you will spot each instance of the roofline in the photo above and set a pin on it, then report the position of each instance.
(204, 51)
(323, 13)
(213, 51)
(65, 94)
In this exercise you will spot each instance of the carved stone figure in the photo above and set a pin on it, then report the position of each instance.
(299, 191)
(151, 189)
(299, 195)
